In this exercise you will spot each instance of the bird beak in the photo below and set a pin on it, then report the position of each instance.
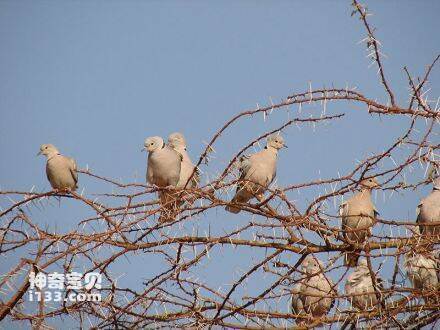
(143, 149)
(285, 146)
(39, 153)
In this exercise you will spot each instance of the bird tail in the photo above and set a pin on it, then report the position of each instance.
(232, 209)
(169, 207)
(351, 258)
(186, 198)
(432, 300)
(237, 199)
(241, 196)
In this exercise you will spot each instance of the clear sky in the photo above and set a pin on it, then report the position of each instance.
(96, 78)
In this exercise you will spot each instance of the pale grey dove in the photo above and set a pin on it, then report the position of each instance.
(359, 287)
(423, 272)
(358, 214)
(177, 142)
(428, 212)
(257, 172)
(60, 170)
(163, 170)
(314, 295)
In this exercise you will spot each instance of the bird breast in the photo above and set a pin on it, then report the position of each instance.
(59, 174)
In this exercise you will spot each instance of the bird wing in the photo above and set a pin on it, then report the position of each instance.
(179, 153)
(343, 208)
(375, 211)
(73, 169)
(343, 211)
(150, 172)
(418, 212)
(437, 264)
(244, 165)
(297, 304)
(196, 176)
(333, 291)
(273, 177)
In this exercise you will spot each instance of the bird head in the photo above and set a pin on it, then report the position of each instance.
(363, 265)
(311, 265)
(153, 143)
(276, 141)
(177, 141)
(47, 149)
(370, 183)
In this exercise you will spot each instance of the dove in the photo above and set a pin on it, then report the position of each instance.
(359, 287)
(257, 172)
(163, 170)
(60, 170)
(423, 270)
(314, 294)
(428, 212)
(177, 142)
(356, 213)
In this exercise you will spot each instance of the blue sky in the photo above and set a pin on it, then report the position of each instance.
(96, 78)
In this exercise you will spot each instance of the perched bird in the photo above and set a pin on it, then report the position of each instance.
(60, 170)
(360, 287)
(163, 170)
(423, 270)
(177, 142)
(428, 212)
(257, 172)
(358, 214)
(314, 294)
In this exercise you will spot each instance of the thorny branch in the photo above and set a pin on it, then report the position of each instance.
(123, 225)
